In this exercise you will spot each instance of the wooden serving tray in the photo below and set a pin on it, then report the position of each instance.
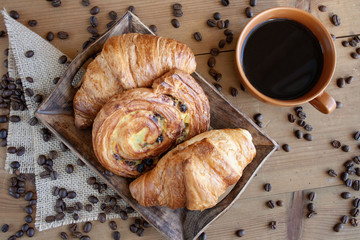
(56, 113)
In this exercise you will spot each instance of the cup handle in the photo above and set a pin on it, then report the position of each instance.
(324, 103)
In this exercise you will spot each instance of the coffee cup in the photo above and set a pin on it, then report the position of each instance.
(316, 94)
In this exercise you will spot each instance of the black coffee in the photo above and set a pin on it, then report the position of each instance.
(282, 59)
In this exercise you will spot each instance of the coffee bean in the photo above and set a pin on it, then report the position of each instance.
(28, 219)
(116, 235)
(14, 14)
(88, 207)
(227, 23)
(178, 13)
(29, 209)
(311, 207)
(11, 150)
(140, 232)
(29, 92)
(298, 134)
(345, 43)
(123, 215)
(78, 206)
(349, 80)
(85, 3)
(332, 173)
(12, 237)
(64, 236)
(211, 62)
(273, 225)
(355, 55)
(60, 216)
(340, 82)
(76, 216)
(349, 164)
(322, 8)
(5, 228)
(308, 127)
(80, 162)
(357, 136)
(87, 227)
(345, 148)
(131, 9)
(146, 224)
(338, 227)
(220, 24)
(153, 28)
(222, 43)
(346, 195)
(32, 23)
(30, 232)
(71, 195)
(29, 53)
(249, 13)
(53, 175)
(25, 227)
(177, 6)
(76, 234)
(258, 117)
(73, 227)
(85, 238)
(354, 222)
(113, 225)
(354, 212)
(229, 39)
(312, 196)
(2, 33)
(286, 147)
(218, 77)
(69, 168)
(45, 174)
(56, 3)
(175, 23)
(356, 185)
(353, 43)
(311, 214)
(280, 203)
(291, 118)
(344, 219)
(92, 199)
(270, 204)
(308, 137)
(102, 217)
(234, 92)
(197, 36)
(358, 50)
(335, 19)
(301, 123)
(211, 23)
(218, 86)
(348, 182)
(137, 222)
(267, 187)
(3, 119)
(50, 36)
(260, 124)
(63, 35)
(95, 10)
(336, 144)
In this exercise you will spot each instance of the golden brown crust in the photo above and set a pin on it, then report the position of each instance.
(196, 172)
(127, 61)
(143, 123)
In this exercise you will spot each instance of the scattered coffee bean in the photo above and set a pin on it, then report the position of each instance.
(312, 196)
(270, 204)
(30, 232)
(202, 236)
(113, 225)
(15, 165)
(340, 82)
(356, 185)
(234, 92)
(12, 237)
(332, 173)
(3, 119)
(197, 36)
(116, 235)
(28, 219)
(29, 92)
(12, 150)
(5, 228)
(291, 118)
(178, 13)
(88, 207)
(227, 23)
(93, 199)
(218, 77)
(177, 6)
(225, 2)
(218, 86)
(311, 207)
(267, 187)
(311, 214)
(280, 203)
(29, 53)
(131, 9)
(25, 227)
(345, 43)
(349, 79)
(153, 28)
(85, 3)
(220, 24)
(63, 35)
(50, 36)
(354, 212)
(211, 62)
(123, 215)
(258, 117)
(336, 144)
(357, 136)
(260, 124)
(38, 98)
(356, 202)
(354, 222)
(102, 217)
(249, 12)
(146, 224)
(322, 8)
(344, 219)
(345, 148)
(80, 162)
(85, 238)
(56, 3)
(112, 15)
(355, 55)
(14, 14)
(301, 123)
(353, 43)
(2, 33)
(222, 43)
(346, 195)
(95, 10)
(358, 50)
(253, 3)
(64, 236)
(214, 52)
(71, 195)
(69, 168)
(76, 234)
(308, 127)
(308, 137)
(286, 147)
(175, 23)
(240, 233)
(32, 23)
(335, 19)
(298, 134)
(14, 118)
(338, 227)
(348, 182)
(217, 16)
(273, 225)
(87, 227)
(53, 175)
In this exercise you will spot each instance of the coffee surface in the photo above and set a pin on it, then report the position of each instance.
(282, 59)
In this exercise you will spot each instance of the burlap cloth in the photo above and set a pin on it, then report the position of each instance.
(43, 67)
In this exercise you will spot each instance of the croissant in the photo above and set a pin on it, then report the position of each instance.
(196, 172)
(134, 128)
(127, 61)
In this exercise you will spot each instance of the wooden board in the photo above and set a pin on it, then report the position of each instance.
(304, 168)
(56, 113)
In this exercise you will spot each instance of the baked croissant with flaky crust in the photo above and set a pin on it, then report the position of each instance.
(135, 127)
(196, 172)
(127, 61)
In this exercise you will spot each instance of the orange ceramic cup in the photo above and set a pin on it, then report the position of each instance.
(317, 96)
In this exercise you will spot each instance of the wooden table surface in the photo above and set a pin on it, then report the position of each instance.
(292, 174)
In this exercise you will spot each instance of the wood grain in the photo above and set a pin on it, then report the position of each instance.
(302, 169)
